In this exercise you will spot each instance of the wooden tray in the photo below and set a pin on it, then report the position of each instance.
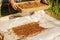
(31, 6)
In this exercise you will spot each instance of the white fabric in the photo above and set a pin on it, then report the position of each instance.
(53, 25)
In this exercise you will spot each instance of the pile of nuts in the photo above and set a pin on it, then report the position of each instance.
(29, 5)
(28, 29)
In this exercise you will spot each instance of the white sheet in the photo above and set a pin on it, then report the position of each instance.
(53, 25)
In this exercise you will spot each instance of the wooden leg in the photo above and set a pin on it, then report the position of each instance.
(20, 15)
(15, 16)
(1, 37)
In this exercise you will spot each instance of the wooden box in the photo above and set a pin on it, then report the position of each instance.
(31, 6)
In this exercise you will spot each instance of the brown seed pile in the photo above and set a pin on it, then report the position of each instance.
(28, 29)
(29, 5)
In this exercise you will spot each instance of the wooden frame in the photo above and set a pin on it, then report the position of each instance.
(32, 9)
